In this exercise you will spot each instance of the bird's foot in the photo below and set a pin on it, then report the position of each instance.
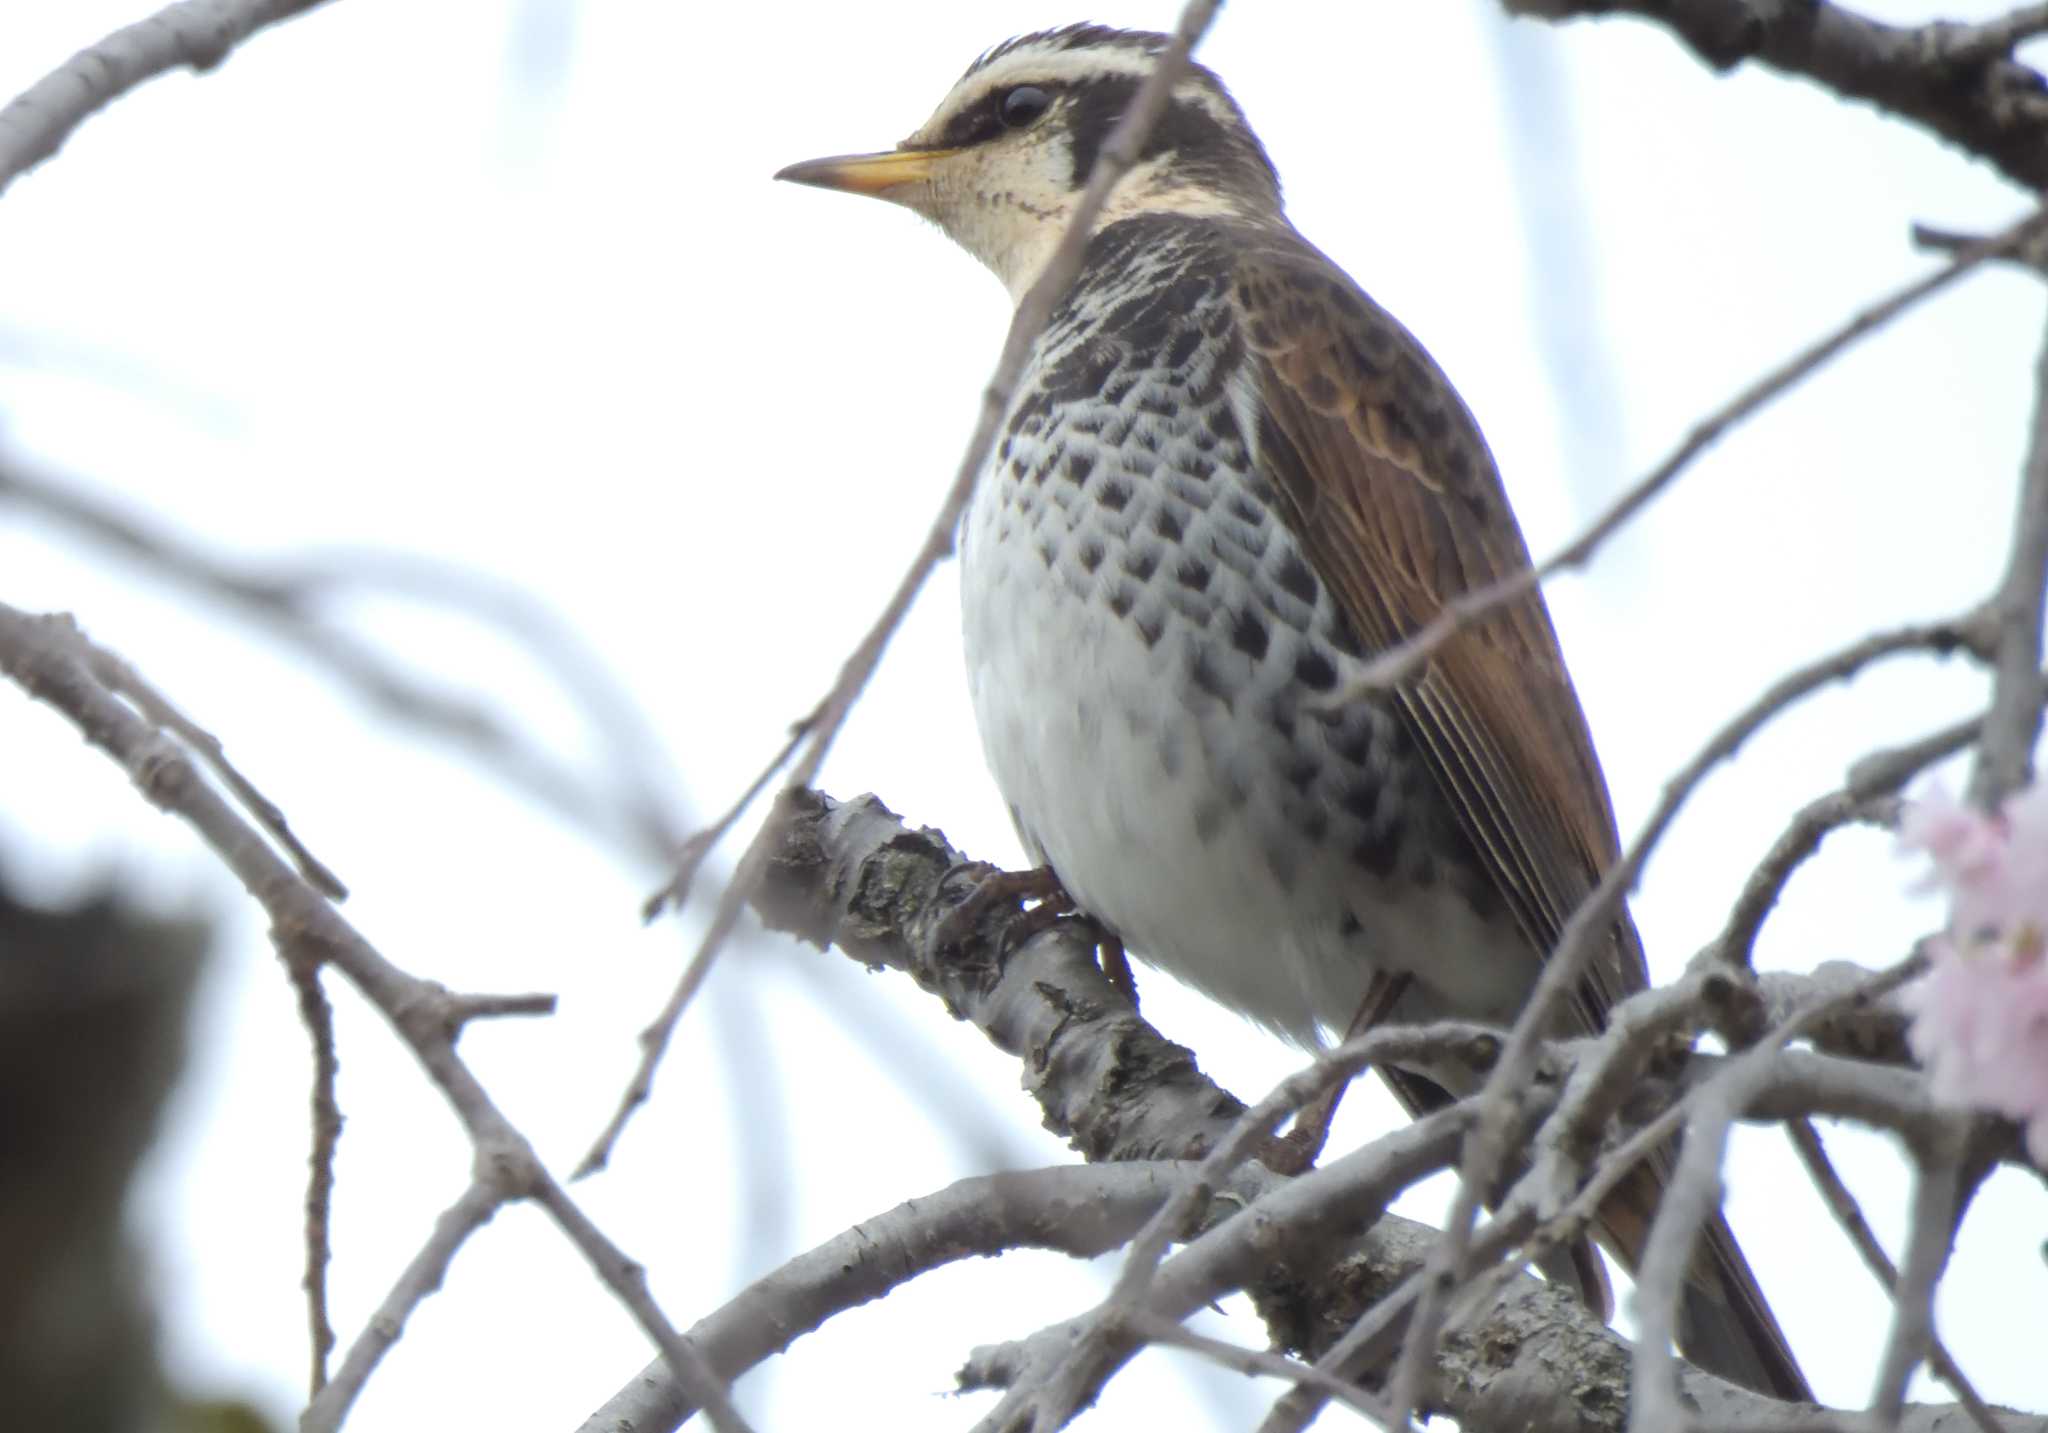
(1296, 1151)
(1050, 903)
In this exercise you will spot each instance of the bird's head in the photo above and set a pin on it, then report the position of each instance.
(1002, 162)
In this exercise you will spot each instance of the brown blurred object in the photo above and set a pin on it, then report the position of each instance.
(94, 1005)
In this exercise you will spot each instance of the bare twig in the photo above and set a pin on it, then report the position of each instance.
(2005, 756)
(1809, 826)
(1930, 1236)
(421, 1277)
(1849, 1214)
(290, 600)
(122, 679)
(821, 727)
(318, 1017)
(1405, 660)
(1150, 1328)
(194, 33)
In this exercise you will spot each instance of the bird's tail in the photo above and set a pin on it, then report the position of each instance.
(1724, 1325)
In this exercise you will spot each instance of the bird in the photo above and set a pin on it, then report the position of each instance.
(1226, 479)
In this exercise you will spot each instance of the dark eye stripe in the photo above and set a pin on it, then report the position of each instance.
(984, 120)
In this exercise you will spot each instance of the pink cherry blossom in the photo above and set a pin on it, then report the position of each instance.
(1980, 1016)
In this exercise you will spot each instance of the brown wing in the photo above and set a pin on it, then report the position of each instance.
(1391, 489)
(1400, 508)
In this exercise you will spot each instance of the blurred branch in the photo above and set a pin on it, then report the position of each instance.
(1961, 82)
(194, 34)
(50, 660)
(291, 600)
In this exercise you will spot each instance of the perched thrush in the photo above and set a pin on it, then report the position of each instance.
(1226, 478)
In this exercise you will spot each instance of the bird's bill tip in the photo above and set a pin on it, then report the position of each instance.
(876, 174)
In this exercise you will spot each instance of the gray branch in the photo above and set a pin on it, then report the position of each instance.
(1961, 82)
(194, 34)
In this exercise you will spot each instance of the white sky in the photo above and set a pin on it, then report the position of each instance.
(508, 286)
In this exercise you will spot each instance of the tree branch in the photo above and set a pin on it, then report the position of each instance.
(195, 34)
(1960, 82)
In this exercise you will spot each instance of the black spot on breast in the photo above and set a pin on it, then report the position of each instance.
(1048, 552)
(1295, 578)
(1115, 391)
(1141, 562)
(1193, 573)
(1166, 525)
(1122, 599)
(1204, 678)
(1360, 800)
(1376, 856)
(1114, 494)
(1248, 634)
(1182, 348)
(1338, 633)
(1245, 510)
(1200, 469)
(1300, 771)
(1079, 466)
(1151, 627)
(1348, 927)
(1089, 554)
(1353, 747)
(1313, 670)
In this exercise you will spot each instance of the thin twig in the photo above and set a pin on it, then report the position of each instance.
(318, 1017)
(422, 1276)
(1930, 1237)
(1797, 844)
(122, 679)
(822, 727)
(2005, 756)
(1849, 1214)
(1404, 661)
(194, 33)
(1239, 1359)
(290, 601)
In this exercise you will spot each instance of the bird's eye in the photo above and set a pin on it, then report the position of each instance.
(1023, 106)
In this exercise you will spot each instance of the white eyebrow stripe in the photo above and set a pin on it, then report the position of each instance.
(1039, 66)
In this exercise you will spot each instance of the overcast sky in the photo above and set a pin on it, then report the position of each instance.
(507, 286)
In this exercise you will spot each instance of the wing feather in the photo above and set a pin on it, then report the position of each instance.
(1400, 508)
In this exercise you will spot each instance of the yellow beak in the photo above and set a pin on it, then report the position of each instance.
(879, 175)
